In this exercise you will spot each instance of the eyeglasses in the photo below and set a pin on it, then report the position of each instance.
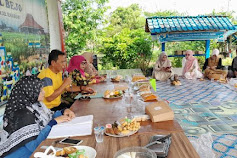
(84, 63)
(187, 54)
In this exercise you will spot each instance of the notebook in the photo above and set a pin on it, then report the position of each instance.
(79, 126)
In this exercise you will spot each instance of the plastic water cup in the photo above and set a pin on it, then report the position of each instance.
(99, 134)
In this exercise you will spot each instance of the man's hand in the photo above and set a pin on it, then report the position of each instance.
(69, 113)
(62, 118)
(67, 81)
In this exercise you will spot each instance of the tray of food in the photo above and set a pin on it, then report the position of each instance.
(148, 97)
(122, 128)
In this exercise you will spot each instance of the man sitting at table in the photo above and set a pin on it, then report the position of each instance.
(55, 84)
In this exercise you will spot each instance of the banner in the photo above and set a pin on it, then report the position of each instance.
(25, 32)
(24, 41)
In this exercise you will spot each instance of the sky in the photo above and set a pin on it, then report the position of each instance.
(190, 7)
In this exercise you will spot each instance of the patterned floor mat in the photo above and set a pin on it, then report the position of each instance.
(195, 91)
(204, 117)
(218, 118)
(223, 146)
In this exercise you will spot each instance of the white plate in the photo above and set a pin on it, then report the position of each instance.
(113, 97)
(122, 135)
(89, 151)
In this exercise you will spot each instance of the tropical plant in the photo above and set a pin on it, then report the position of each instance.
(81, 18)
(128, 49)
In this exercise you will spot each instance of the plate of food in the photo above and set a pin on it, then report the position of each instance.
(124, 127)
(116, 79)
(111, 94)
(76, 151)
(148, 97)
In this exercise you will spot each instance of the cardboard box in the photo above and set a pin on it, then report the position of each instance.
(159, 111)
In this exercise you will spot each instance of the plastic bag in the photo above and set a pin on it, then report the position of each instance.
(203, 145)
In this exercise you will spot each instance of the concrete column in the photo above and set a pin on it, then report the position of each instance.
(54, 30)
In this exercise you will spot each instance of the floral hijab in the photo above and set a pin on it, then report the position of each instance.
(24, 116)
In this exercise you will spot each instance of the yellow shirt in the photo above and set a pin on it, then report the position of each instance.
(52, 82)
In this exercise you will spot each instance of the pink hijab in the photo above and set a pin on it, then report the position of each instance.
(75, 63)
(189, 61)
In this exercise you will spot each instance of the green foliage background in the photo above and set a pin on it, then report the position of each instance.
(119, 38)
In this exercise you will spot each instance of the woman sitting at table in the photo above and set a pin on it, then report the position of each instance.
(27, 121)
(162, 69)
(76, 70)
(190, 66)
(90, 69)
(213, 65)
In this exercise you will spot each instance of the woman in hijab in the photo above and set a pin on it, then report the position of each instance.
(90, 69)
(213, 65)
(76, 70)
(233, 70)
(162, 69)
(190, 66)
(27, 121)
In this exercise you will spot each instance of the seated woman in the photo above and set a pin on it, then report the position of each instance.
(90, 69)
(190, 66)
(162, 69)
(76, 70)
(27, 121)
(233, 69)
(213, 65)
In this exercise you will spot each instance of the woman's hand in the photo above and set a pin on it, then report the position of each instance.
(88, 89)
(163, 69)
(69, 113)
(62, 118)
(213, 67)
(101, 79)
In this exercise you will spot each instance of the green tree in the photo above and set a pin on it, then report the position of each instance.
(130, 17)
(127, 49)
(163, 13)
(81, 18)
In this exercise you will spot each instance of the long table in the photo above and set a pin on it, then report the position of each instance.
(109, 110)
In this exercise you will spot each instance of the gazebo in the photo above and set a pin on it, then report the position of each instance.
(190, 28)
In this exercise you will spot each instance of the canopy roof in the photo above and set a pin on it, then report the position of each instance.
(157, 25)
(189, 28)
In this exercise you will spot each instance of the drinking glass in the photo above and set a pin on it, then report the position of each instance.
(99, 133)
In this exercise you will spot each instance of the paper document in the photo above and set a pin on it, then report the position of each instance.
(79, 126)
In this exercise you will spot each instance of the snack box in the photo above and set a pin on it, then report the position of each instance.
(159, 111)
